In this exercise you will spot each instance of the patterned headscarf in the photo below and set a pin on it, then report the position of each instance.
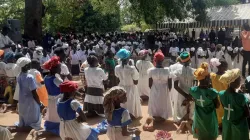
(112, 95)
(53, 62)
(8, 56)
(230, 76)
(202, 72)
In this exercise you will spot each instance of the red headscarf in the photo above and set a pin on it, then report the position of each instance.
(159, 56)
(68, 87)
(54, 61)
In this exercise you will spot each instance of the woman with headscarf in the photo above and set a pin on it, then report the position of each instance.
(129, 76)
(52, 83)
(235, 106)
(205, 124)
(94, 77)
(118, 117)
(143, 66)
(221, 66)
(29, 103)
(238, 58)
(160, 83)
(183, 80)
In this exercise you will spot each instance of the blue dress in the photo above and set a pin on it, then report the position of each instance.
(120, 118)
(29, 109)
(69, 127)
(52, 122)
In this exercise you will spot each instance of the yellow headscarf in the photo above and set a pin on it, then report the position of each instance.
(113, 94)
(230, 76)
(202, 72)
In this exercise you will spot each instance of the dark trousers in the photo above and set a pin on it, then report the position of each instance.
(246, 59)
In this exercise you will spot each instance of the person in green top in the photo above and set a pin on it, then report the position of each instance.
(236, 111)
(110, 69)
(205, 124)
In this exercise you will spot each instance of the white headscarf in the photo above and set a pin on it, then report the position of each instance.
(23, 61)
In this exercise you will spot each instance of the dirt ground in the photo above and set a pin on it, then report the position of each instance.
(9, 118)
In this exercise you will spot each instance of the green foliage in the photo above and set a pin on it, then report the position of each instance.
(130, 28)
(11, 9)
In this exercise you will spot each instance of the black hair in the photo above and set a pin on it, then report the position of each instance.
(58, 51)
(246, 27)
(223, 62)
(92, 59)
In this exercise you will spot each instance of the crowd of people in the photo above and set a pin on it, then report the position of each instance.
(196, 82)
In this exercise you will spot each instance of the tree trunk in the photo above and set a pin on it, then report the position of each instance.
(33, 19)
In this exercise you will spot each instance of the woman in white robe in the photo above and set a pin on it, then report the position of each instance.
(159, 81)
(142, 66)
(228, 57)
(129, 76)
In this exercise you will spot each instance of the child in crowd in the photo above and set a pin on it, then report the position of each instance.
(143, 66)
(71, 126)
(222, 66)
(118, 117)
(41, 89)
(219, 53)
(235, 106)
(205, 125)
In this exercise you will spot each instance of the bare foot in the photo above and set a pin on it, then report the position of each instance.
(3, 108)
(35, 135)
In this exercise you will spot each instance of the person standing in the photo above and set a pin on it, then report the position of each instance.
(160, 83)
(235, 104)
(205, 125)
(142, 66)
(129, 76)
(183, 80)
(95, 76)
(245, 37)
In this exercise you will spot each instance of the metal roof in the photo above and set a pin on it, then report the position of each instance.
(232, 12)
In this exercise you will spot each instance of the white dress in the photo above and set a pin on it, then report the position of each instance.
(159, 99)
(70, 128)
(229, 58)
(185, 77)
(126, 76)
(176, 97)
(143, 67)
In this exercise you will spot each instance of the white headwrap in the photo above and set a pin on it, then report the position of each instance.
(23, 61)
(236, 49)
(192, 49)
(229, 48)
(215, 62)
(223, 48)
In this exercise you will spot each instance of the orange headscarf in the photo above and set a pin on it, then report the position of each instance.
(202, 72)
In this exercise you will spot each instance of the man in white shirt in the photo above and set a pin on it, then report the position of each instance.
(5, 41)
